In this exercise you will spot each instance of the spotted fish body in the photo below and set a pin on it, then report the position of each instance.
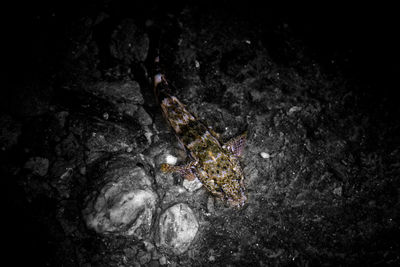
(215, 165)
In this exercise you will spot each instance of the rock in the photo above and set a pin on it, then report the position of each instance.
(163, 260)
(108, 137)
(177, 228)
(171, 159)
(144, 257)
(10, 131)
(118, 92)
(38, 166)
(148, 245)
(294, 109)
(265, 155)
(143, 117)
(127, 109)
(129, 43)
(125, 205)
(338, 191)
(62, 118)
(192, 186)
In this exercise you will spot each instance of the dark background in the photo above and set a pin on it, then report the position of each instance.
(360, 38)
(358, 42)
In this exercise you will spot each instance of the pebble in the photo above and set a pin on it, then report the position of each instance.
(211, 205)
(192, 186)
(163, 260)
(143, 117)
(171, 159)
(144, 257)
(178, 227)
(148, 245)
(338, 191)
(265, 155)
(294, 109)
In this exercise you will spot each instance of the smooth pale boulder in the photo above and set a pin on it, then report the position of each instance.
(177, 228)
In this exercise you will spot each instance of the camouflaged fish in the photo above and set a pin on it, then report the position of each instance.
(215, 165)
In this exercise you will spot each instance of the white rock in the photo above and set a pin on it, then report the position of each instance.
(265, 155)
(171, 159)
(192, 186)
(177, 228)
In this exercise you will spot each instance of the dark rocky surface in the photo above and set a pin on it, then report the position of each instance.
(82, 138)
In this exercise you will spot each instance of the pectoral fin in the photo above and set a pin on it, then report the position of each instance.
(236, 145)
(186, 171)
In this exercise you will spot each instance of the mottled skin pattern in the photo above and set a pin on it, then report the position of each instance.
(215, 165)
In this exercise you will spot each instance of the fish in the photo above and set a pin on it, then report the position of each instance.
(216, 165)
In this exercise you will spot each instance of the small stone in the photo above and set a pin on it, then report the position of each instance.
(211, 258)
(68, 172)
(62, 117)
(38, 166)
(144, 257)
(163, 260)
(171, 159)
(338, 191)
(105, 116)
(148, 134)
(265, 155)
(210, 205)
(143, 117)
(178, 227)
(149, 23)
(192, 186)
(128, 109)
(148, 245)
(130, 252)
(294, 109)
(82, 170)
